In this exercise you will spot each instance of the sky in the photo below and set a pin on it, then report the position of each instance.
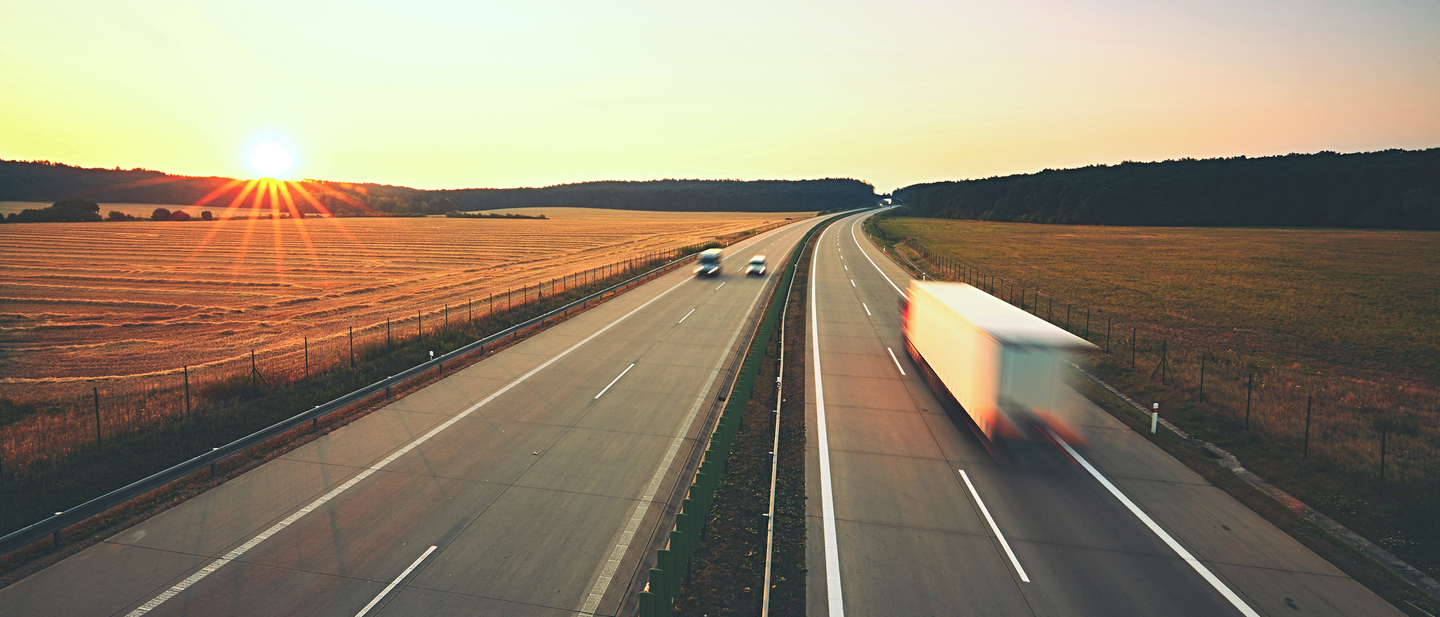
(500, 94)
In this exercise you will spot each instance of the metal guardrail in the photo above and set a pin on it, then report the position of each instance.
(55, 524)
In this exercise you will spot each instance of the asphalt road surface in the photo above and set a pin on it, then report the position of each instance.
(909, 514)
(531, 483)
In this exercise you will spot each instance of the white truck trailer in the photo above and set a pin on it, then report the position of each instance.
(998, 365)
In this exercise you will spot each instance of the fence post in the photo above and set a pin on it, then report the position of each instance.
(1383, 431)
(187, 391)
(352, 349)
(470, 309)
(253, 373)
(1249, 387)
(419, 325)
(1305, 449)
(307, 356)
(387, 334)
(1087, 324)
(1202, 376)
(98, 443)
(1164, 365)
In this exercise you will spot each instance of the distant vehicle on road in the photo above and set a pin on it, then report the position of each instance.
(990, 361)
(709, 264)
(756, 266)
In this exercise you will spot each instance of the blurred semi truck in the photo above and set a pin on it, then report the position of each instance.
(989, 361)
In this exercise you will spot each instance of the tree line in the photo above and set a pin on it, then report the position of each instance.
(1393, 189)
(86, 211)
(48, 181)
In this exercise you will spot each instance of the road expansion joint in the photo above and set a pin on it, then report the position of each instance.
(401, 409)
(271, 566)
(1202, 483)
(413, 474)
(893, 455)
(165, 550)
(601, 430)
(952, 532)
(477, 596)
(561, 491)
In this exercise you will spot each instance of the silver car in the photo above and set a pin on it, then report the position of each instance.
(756, 266)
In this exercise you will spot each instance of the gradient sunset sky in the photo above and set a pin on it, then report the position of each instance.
(488, 94)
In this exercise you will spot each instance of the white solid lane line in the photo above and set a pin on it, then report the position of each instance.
(993, 526)
(827, 494)
(394, 583)
(721, 285)
(872, 261)
(612, 382)
(1144, 518)
(897, 362)
(867, 309)
(365, 473)
(687, 316)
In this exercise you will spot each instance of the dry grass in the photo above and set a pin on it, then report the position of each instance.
(132, 309)
(1344, 323)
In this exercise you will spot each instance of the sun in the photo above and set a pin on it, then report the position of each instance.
(271, 160)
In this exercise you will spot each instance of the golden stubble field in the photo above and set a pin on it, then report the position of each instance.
(84, 302)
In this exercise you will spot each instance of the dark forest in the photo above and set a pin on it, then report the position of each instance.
(1393, 189)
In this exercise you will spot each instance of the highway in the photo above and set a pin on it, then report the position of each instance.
(530, 483)
(909, 514)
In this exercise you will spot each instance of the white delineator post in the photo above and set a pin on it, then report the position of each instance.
(1154, 417)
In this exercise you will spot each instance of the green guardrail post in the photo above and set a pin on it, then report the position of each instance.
(688, 508)
(647, 605)
(687, 540)
(681, 559)
(657, 587)
(665, 563)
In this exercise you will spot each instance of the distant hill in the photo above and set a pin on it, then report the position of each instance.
(1393, 189)
(44, 181)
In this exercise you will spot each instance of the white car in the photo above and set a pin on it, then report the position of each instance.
(756, 266)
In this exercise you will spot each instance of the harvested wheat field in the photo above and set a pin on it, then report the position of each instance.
(87, 302)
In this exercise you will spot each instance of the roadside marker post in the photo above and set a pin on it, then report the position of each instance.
(1154, 417)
